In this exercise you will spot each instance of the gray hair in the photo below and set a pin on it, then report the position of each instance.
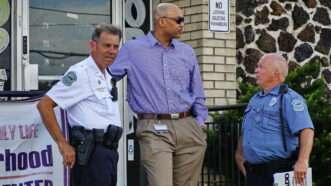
(279, 63)
(108, 28)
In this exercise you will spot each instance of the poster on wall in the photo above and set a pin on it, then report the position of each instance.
(219, 12)
(28, 155)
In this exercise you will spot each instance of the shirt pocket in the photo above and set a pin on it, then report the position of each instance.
(98, 104)
(101, 98)
(271, 121)
(253, 115)
(180, 73)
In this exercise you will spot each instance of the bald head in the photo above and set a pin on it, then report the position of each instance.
(277, 62)
(163, 9)
(271, 70)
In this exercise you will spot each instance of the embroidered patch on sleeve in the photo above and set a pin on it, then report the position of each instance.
(69, 78)
(298, 105)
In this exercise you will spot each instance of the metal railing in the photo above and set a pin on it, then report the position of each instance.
(219, 165)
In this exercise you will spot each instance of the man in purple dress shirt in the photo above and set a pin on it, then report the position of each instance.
(166, 92)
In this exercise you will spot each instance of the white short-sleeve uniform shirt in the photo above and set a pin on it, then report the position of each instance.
(84, 92)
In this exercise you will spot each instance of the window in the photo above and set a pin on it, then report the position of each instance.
(59, 34)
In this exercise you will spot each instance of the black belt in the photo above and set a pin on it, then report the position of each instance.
(270, 167)
(172, 116)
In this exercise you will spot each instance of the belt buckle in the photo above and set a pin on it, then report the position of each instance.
(174, 116)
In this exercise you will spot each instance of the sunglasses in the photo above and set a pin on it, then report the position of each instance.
(178, 20)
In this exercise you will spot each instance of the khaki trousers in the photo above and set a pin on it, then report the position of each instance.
(172, 158)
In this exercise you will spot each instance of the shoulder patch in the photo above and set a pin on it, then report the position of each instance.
(69, 78)
(298, 105)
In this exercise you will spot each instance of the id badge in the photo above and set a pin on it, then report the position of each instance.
(160, 127)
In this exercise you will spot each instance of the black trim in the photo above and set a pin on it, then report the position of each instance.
(282, 90)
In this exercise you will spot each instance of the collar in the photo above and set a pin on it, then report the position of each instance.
(274, 91)
(92, 66)
(153, 41)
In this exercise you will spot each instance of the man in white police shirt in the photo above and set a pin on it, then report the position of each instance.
(277, 131)
(88, 94)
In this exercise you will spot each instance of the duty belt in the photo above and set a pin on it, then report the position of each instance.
(98, 135)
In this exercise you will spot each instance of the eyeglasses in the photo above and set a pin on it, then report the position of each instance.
(178, 20)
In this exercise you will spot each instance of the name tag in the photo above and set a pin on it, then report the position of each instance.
(160, 127)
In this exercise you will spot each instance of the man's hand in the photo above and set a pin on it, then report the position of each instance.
(68, 153)
(45, 107)
(203, 127)
(300, 172)
(240, 163)
(239, 156)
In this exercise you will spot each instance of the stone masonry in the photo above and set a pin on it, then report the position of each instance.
(297, 29)
(215, 51)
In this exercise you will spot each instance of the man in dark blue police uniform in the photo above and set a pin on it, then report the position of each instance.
(277, 131)
(86, 92)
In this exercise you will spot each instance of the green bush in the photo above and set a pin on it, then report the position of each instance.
(306, 81)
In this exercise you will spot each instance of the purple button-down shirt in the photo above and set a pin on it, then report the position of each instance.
(161, 80)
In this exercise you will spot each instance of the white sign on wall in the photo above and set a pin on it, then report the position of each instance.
(219, 12)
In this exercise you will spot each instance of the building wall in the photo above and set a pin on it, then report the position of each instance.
(216, 51)
(299, 30)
